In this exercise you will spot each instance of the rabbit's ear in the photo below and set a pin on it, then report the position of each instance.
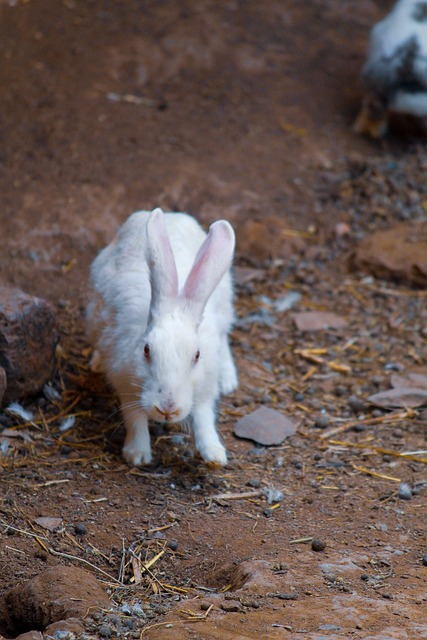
(163, 273)
(210, 264)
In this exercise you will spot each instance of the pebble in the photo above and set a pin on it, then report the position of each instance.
(405, 491)
(105, 631)
(425, 560)
(321, 422)
(231, 607)
(80, 529)
(254, 482)
(318, 545)
(356, 404)
(340, 390)
(364, 577)
(329, 627)
(359, 428)
(299, 397)
(377, 413)
(173, 545)
(286, 596)
(393, 366)
(128, 623)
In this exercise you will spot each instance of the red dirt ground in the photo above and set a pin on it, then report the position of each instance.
(241, 110)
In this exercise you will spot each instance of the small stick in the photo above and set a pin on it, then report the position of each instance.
(393, 417)
(302, 540)
(26, 533)
(374, 473)
(49, 483)
(237, 496)
(409, 455)
(70, 557)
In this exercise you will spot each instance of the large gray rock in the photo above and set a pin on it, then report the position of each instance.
(29, 334)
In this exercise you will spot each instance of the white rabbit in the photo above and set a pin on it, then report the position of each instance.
(395, 71)
(159, 319)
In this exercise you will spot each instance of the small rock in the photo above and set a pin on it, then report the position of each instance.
(65, 629)
(51, 524)
(405, 491)
(273, 495)
(231, 607)
(340, 390)
(105, 631)
(173, 545)
(254, 482)
(80, 529)
(284, 596)
(356, 404)
(30, 635)
(322, 421)
(317, 320)
(425, 560)
(364, 577)
(318, 545)
(329, 627)
(359, 428)
(265, 426)
(402, 397)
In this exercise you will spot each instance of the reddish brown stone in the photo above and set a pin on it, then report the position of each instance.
(56, 594)
(28, 337)
(400, 253)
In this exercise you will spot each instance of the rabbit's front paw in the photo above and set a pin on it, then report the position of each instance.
(214, 455)
(229, 379)
(135, 456)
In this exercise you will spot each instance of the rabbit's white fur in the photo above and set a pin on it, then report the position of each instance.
(161, 294)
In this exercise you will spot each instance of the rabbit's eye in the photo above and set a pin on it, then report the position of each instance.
(147, 353)
(196, 357)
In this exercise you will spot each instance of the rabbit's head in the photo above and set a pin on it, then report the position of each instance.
(177, 347)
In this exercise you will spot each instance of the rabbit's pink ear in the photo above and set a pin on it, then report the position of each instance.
(210, 264)
(163, 273)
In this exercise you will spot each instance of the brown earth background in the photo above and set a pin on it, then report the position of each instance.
(239, 110)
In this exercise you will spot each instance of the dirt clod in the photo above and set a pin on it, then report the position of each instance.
(318, 545)
(55, 594)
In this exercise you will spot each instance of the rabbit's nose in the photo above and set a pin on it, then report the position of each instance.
(168, 411)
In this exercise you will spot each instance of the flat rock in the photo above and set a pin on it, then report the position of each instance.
(55, 594)
(29, 334)
(318, 320)
(30, 635)
(265, 426)
(401, 397)
(62, 627)
(399, 253)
